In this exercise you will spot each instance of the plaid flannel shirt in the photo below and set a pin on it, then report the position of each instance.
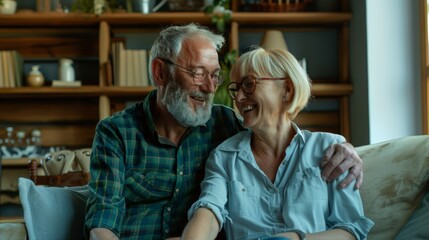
(141, 185)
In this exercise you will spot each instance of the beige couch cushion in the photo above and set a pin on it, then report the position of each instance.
(395, 173)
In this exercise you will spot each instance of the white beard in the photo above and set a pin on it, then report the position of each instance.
(176, 101)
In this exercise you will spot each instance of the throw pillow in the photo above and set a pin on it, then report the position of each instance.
(53, 212)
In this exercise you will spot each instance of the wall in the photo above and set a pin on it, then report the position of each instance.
(385, 70)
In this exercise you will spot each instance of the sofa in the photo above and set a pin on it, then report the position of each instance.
(394, 193)
(395, 188)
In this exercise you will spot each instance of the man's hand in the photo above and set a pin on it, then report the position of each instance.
(339, 158)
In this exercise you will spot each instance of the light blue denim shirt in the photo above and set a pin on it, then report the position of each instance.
(250, 206)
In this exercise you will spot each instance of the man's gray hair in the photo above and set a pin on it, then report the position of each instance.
(169, 42)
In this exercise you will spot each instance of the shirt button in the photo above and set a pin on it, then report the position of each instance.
(177, 190)
(181, 173)
(169, 209)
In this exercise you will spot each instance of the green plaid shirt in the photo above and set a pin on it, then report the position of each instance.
(141, 185)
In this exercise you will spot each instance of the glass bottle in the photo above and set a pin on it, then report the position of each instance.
(20, 138)
(9, 141)
(36, 137)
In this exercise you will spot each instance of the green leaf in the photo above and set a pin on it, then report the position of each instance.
(220, 25)
(209, 9)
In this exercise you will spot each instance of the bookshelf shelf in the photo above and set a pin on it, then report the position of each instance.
(136, 19)
(72, 92)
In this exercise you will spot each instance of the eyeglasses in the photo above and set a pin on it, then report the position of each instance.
(247, 84)
(199, 74)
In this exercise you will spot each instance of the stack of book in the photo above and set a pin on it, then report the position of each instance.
(11, 69)
(130, 66)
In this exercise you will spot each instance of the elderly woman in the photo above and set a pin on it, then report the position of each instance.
(267, 181)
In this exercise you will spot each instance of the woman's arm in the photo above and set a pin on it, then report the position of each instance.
(203, 225)
(337, 234)
(102, 233)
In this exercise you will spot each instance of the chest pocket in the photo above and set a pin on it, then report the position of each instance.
(242, 199)
(307, 186)
(143, 186)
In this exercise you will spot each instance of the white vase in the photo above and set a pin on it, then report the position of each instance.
(98, 6)
(66, 71)
(8, 7)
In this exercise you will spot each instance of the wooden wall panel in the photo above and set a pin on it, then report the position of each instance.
(48, 110)
(70, 136)
(65, 122)
(51, 47)
(319, 121)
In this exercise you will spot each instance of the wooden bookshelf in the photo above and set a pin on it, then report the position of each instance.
(77, 110)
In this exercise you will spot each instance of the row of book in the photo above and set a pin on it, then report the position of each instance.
(11, 69)
(130, 66)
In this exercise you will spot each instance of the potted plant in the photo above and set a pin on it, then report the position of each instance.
(220, 16)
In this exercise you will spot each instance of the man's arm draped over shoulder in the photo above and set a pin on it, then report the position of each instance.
(339, 158)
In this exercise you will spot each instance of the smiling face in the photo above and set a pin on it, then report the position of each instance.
(264, 107)
(189, 103)
(270, 101)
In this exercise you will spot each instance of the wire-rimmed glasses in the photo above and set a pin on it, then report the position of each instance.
(199, 74)
(247, 84)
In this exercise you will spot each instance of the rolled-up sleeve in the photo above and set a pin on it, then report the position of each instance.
(106, 205)
(214, 189)
(347, 210)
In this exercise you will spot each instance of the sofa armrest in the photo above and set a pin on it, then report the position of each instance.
(12, 228)
(395, 175)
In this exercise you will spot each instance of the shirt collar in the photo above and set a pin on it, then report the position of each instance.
(245, 152)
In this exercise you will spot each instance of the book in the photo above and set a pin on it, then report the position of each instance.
(11, 68)
(6, 64)
(122, 66)
(59, 83)
(144, 68)
(19, 66)
(114, 63)
(136, 68)
(130, 76)
(2, 79)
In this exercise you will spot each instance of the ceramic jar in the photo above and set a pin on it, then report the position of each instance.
(35, 78)
(8, 7)
(66, 71)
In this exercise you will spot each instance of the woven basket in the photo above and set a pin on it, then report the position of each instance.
(278, 5)
(185, 5)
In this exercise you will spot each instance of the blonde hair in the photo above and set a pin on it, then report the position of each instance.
(277, 63)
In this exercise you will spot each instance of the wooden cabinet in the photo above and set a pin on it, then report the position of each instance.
(67, 116)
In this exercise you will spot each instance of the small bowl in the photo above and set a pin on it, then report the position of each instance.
(8, 7)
